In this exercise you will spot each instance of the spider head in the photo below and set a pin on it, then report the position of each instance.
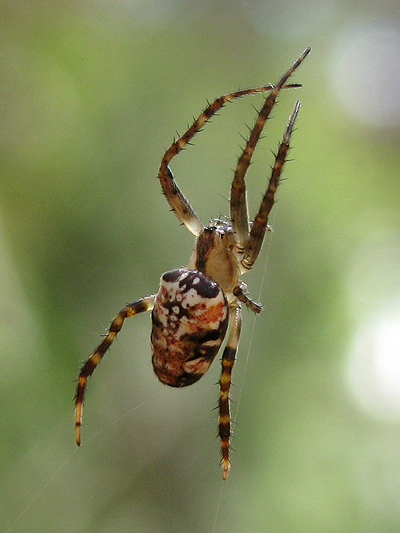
(221, 225)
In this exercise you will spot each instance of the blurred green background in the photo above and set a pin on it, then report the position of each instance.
(92, 92)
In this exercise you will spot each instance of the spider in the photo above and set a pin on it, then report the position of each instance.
(194, 306)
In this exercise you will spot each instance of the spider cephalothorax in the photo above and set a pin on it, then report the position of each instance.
(195, 306)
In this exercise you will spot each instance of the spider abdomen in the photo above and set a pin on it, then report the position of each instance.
(190, 319)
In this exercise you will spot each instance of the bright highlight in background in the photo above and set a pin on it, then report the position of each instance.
(374, 365)
(365, 72)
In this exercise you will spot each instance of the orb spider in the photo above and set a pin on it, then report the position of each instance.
(194, 306)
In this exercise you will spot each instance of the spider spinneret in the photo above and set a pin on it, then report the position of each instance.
(195, 306)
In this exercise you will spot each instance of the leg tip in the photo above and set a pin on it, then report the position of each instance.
(78, 435)
(225, 469)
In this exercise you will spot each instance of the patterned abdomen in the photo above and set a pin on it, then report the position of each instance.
(190, 319)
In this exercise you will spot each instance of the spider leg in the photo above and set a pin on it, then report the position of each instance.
(144, 304)
(239, 211)
(227, 362)
(260, 223)
(179, 204)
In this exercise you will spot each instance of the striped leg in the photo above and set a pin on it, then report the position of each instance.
(228, 360)
(239, 213)
(260, 224)
(144, 304)
(179, 204)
